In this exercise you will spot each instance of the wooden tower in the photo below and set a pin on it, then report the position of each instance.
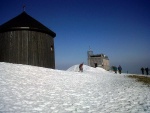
(24, 40)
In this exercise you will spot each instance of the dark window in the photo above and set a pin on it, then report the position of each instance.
(95, 64)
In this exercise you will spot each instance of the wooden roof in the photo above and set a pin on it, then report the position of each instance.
(25, 21)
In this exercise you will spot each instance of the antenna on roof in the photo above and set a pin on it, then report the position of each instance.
(24, 6)
(89, 48)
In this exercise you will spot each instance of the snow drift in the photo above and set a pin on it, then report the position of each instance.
(86, 68)
(31, 89)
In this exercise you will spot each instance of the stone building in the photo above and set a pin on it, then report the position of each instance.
(98, 60)
(24, 40)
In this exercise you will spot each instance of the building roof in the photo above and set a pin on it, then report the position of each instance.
(100, 55)
(25, 22)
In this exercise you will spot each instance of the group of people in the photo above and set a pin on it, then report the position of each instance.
(119, 69)
(146, 70)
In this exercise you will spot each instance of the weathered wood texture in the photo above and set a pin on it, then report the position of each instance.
(27, 47)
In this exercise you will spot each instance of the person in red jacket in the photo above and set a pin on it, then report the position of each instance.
(81, 67)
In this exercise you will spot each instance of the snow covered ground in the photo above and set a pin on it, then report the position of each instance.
(30, 89)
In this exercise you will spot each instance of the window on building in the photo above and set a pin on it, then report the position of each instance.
(52, 48)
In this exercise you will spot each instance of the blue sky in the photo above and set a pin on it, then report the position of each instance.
(119, 29)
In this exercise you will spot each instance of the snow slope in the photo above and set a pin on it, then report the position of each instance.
(31, 89)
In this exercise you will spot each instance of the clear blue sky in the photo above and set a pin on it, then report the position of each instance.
(119, 29)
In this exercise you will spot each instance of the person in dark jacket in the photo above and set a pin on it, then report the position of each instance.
(142, 69)
(115, 69)
(146, 69)
(81, 67)
(119, 69)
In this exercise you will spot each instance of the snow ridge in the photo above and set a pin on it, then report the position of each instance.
(86, 68)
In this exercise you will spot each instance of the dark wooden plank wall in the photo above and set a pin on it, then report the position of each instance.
(27, 47)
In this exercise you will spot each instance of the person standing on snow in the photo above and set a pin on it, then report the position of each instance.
(81, 67)
(115, 69)
(142, 69)
(119, 69)
(146, 69)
